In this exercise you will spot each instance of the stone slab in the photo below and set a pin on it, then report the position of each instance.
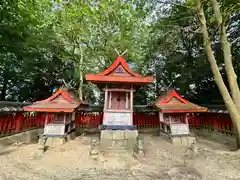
(183, 141)
(176, 140)
(54, 141)
(106, 134)
(118, 127)
(131, 134)
(117, 118)
(179, 129)
(118, 134)
(118, 139)
(191, 139)
(30, 136)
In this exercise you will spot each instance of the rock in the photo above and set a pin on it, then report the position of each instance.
(18, 143)
(190, 153)
(42, 142)
(94, 151)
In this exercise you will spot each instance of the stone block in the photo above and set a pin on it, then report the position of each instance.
(125, 142)
(106, 134)
(105, 144)
(53, 141)
(69, 138)
(131, 134)
(184, 141)
(114, 140)
(176, 140)
(63, 140)
(131, 143)
(191, 140)
(118, 134)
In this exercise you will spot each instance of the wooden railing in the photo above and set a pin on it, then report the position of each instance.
(146, 120)
(209, 121)
(20, 122)
(212, 122)
(88, 120)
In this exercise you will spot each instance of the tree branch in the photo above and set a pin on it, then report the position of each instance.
(235, 40)
(226, 48)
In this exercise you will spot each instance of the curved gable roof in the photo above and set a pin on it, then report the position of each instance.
(108, 76)
(172, 102)
(60, 101)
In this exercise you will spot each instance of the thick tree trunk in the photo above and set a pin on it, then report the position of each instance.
(226, 48)
(232, 108)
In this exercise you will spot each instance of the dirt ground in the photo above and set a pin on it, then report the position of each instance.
(163, 161)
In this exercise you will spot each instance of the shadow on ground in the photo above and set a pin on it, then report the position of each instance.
(6, 152)
(216, 140)
(179, 174)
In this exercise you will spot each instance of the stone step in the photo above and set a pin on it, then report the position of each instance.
(117, 152)
(117, 148)
(184, 141)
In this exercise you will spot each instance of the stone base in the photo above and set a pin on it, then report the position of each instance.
(183, 140)
(52, 141)
(118, 140)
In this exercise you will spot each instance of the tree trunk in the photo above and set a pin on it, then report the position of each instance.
(226, 48)
(80, 88)
(232, 108)
(4, 90)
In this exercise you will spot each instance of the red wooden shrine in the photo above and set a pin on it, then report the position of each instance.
(120, 84)
(174, 111)
(60, 111)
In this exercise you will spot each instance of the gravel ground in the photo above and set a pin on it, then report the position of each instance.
(162, 161)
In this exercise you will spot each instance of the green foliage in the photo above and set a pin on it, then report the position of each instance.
(180, 45)
(49, 43)
(43, 44)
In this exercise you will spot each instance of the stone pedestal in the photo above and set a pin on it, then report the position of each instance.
(55, 141)
(42, 144)
(183, 140)
(118, 140)
(94, 152)
(139, 149)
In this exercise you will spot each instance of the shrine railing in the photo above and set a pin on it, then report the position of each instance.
(141, 120)
(208, 121)
(20, 122)
(89, 120)
(218, 122)
(146, 119)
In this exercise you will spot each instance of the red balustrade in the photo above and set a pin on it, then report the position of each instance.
(88, 120)
(23, 121)
(212, 122)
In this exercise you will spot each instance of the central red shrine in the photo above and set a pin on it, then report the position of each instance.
(119, 83)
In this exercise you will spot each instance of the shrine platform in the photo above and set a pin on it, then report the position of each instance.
(118, 127)
(112, 140)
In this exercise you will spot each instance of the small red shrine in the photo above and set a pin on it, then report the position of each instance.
(174, 112)
(60, 111)
(120, 83)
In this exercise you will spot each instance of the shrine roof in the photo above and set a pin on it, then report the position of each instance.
(61, 101)
(172, 102)
(119, 72)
